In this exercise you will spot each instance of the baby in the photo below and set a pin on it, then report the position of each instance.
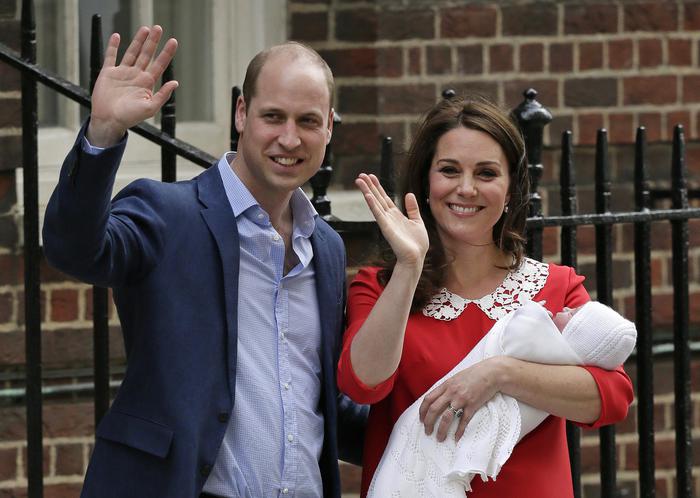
(592, 334)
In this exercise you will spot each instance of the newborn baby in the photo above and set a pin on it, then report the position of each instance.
(592, 334)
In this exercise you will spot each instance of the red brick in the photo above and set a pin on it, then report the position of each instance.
(550, 242)
(501, 58)
(691, 88)
(46, 460)
(651, 16)
(10, 34)
(7, 302)
(588, 126)
(406, 24)
(646, 90)
(468, 21)
(8, 192)
(11, 115)
(532, 19)
(675, 118)
(62, 490)
(620, 54)
(590, 55)
(691, 18)
(365, 61)
(69, 459)
(358, 99)
(650, 53)
(51, 274)
(356, 139)
(590, 19)
(470, 59)
(621, 128)
(8, 464)
(561, 57)
(64, 305)
(680, 52)
(590, 92)
(356, 25)
(9, 78)
(438, 59)
(531, 57)
(406, 99)
(414, 60)
(309, 26)
(657, 272)
(652, 122)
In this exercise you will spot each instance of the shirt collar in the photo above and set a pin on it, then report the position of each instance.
(241, 200)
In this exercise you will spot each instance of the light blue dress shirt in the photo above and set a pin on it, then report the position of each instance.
(274, 438)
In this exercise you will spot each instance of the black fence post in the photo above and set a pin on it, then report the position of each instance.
(168, 158)
(681, 342)
(532, 118)
(645, 363)
(100, 296)
(604, 287)
(322, 178)
(386, 168)
(567, 183)
(32, 255)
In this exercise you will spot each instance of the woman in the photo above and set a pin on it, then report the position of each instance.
(457, 267)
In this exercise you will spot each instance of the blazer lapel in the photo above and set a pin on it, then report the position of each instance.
(219, 217)
(327, 300)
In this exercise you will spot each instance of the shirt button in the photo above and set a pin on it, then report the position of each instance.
(205, 470)
(290, 438)
(286, 385)
(282, 336)
(223, 417)
(260, 216)
(275, 237)
(285, 491)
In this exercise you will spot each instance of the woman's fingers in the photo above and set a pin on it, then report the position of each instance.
(412, 209)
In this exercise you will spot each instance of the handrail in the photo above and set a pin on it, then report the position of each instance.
(82, 97)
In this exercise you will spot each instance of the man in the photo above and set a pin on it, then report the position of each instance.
(230, 289)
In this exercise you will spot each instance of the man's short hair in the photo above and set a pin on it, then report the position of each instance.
(290, 49)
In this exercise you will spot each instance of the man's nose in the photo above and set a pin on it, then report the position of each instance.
(289, 136)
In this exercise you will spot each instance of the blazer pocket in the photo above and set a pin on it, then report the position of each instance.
(136, 432)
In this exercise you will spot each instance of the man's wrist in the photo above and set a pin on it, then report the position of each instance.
(103, 135)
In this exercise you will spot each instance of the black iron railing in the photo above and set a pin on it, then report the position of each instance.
(532, 118)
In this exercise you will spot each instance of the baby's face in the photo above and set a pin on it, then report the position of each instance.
(563, 317)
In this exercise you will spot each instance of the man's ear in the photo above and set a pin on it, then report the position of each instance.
(331, 114)
(241, 112)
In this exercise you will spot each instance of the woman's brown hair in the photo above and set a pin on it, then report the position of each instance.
(481, 115)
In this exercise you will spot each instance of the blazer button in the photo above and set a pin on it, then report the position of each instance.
(223, 417)
(205, 470)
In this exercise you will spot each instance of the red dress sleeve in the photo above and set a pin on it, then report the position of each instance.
(362, 295)
(614, 386)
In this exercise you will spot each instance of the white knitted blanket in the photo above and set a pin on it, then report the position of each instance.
(417, 465)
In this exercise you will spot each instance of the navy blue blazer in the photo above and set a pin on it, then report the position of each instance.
(170, 252)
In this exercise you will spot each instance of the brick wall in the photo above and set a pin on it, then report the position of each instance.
(607, 64)
(616, 65)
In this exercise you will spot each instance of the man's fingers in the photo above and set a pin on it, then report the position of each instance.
(161, 62)
(134, 49)
(161, 96)
(149, 47)
(111, 52)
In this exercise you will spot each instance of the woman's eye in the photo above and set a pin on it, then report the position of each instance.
(448, 170)
(487, 173)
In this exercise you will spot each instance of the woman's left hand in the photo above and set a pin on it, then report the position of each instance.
(468, 390)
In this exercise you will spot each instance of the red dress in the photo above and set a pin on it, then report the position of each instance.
(539, 464)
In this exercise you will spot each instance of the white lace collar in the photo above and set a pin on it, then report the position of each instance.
(518, 287)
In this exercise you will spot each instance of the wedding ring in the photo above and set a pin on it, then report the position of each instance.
(458, 412)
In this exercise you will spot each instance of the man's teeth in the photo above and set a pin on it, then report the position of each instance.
(285, 161)
(462, 209)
